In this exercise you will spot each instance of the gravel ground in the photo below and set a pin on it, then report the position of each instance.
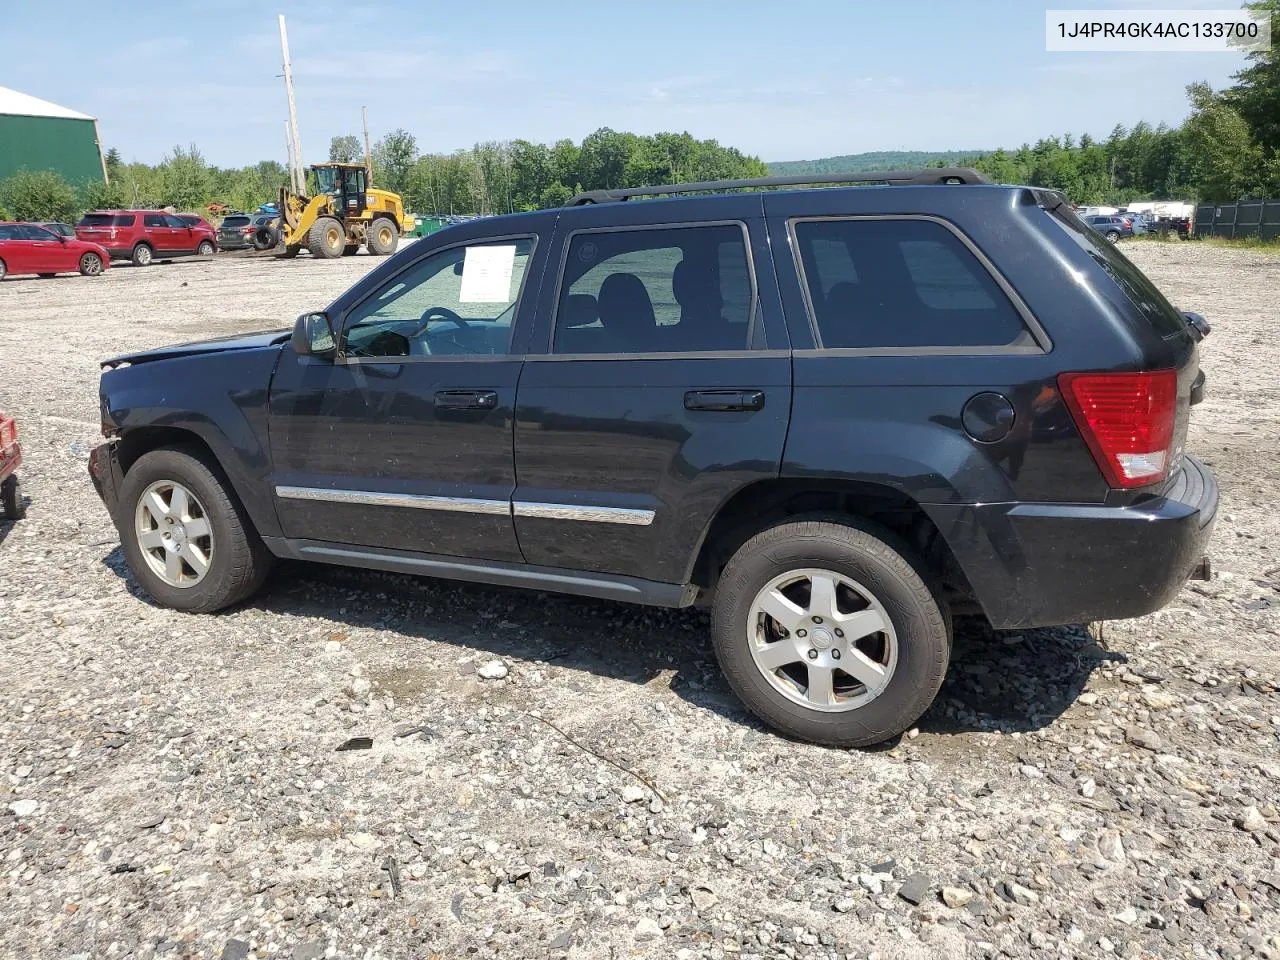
(556, 777)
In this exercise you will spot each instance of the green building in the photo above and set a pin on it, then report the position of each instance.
(38, 135)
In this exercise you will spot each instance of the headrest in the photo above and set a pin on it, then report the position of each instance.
(579, 310)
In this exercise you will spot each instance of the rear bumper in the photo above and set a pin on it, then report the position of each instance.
(106, 475)
(1045, 564)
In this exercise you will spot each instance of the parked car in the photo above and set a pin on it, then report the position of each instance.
(836, 417)
(12, 506)
(61, 229)
(1113, 226)
(236, 231)
(145, 235)
(30, 248)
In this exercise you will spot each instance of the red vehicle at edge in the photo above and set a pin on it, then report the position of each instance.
(11, 505)
(146, 235)
(29, 248)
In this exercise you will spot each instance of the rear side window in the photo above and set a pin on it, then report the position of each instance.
(900, 283)
(106, 220)
(153, 220)
(655, 290)
(8, 231)
(1163, 317)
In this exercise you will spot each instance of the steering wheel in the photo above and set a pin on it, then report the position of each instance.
(439, 313)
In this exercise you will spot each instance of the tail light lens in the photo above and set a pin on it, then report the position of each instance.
(1127, 419)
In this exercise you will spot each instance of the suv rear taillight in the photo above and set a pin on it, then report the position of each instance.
(1127, 420)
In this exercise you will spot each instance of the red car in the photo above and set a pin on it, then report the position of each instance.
(11, 505)
(146, 235)
(28, 248)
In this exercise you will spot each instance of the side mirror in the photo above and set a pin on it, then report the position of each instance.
(313, 336)
(61, 237)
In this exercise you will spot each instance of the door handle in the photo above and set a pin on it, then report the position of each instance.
(466, 399)
(724, 400)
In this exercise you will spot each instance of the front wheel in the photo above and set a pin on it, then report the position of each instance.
(1113, 235)
(185, 535)
(326, 238)
(205, 249)
(90, 265)
(831, 631)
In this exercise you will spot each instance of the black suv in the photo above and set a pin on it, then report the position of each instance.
(835, 416)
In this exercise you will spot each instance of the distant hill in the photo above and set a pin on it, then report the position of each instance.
(882, 160)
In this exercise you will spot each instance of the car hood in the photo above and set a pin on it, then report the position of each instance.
(241, 341)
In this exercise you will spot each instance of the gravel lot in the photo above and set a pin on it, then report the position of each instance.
(170, 787)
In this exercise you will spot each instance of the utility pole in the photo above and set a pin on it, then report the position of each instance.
(288, 152)
(295, 170)
(368, 157)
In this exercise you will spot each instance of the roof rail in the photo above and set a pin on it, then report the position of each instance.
(933, 175)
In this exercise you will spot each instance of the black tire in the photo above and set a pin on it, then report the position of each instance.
(871, 556)
(382, 237)
(12, 506)
(91, 265)
(205, 249)
(289, 252)
(266, 237)
(351, 249)
(143, 255)
(239, 561)
(3, 270)
(1113, 235)
(47, 276)
(326, 238)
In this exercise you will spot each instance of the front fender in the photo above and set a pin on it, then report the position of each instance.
(221, 398)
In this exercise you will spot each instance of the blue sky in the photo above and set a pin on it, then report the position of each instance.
(782, 80)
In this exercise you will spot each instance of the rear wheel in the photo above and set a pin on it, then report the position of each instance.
(142, 255)
(205, 249)
(831, 631)
(90, 265)
(326, 238)
(187, 538)
(383, 237)
(3, 269)
(1113, 235)
(11, 504)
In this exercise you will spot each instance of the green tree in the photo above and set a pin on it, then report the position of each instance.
(531, 173)
(98, 195)
(38, 195)
(393, 155)
(185, 179)
(345, 149)
(1226, 163)
(113, 161)
(1256, 95)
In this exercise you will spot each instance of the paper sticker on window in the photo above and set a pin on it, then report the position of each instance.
(486, 274)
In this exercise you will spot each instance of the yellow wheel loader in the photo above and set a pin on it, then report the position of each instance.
(344, 213)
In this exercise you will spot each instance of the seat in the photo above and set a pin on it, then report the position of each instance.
(702, 324)
(626, 313)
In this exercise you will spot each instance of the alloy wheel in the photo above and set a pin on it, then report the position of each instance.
(174, 534)
(822, 640)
